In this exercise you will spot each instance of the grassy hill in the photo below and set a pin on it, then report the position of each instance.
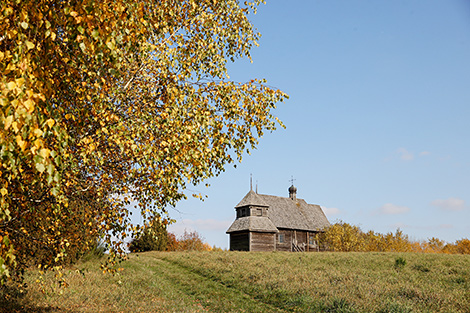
(260, 282)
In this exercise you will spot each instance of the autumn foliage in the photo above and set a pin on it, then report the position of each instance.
(345, 237)
(189, 241)
(107, 102)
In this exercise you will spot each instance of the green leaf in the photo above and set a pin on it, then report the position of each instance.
(95, 34)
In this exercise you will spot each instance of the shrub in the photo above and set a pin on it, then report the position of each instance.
(172, 242)
(154, 237)
(191, 241)
(463, 246)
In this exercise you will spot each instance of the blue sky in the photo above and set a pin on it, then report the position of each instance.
(377, 121)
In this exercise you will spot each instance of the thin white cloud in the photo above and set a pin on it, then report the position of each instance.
(451, 204)
(446, 226)
(200, 225)
(390, 208)
(405, 155)
(330, 211)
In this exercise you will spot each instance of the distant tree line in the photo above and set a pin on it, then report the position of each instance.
(345, 237)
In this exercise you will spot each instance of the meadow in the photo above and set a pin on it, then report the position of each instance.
(255, 282)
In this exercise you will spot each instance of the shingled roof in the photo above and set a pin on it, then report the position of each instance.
(253, 199)
(295, 214)
(253, 223)
(282, 212)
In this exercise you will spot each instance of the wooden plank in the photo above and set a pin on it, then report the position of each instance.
(249, 242)
(262, 241)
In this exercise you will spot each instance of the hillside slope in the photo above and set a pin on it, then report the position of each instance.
(262, 282)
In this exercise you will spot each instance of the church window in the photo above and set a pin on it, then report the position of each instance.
(281, 238)
(311, 240)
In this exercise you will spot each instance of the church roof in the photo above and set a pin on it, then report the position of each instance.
(282, 212)
(295, 214)
(253, 223)
(251, 198)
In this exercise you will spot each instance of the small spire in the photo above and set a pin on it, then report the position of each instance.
(256, 186)
(251, 181)
(292, 190)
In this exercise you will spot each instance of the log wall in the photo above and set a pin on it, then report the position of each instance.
(262, 241)
(287, 244)
(239, 241)
(257, 241)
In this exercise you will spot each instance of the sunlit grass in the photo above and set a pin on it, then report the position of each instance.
(264, 282)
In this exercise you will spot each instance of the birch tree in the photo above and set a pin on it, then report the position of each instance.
(106, 101)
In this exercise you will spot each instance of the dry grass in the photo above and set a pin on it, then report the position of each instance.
(263, 282)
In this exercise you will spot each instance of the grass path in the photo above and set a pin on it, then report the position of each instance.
(209, 295)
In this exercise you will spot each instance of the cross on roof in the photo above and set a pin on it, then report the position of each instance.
(292, 180)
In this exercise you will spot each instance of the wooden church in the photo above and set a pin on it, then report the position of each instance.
(271, 223)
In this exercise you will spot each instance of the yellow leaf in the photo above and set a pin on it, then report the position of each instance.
(29, 44)
(3, 191)
(38, 132)
(33, 149)
(38, 143)
(50, 122)
(19, 82)
(21, 143)
(11, 85)
(16, 126)
(45, 153)
(41, 96)
(8, 122)
(15, 103)
(29, 104)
